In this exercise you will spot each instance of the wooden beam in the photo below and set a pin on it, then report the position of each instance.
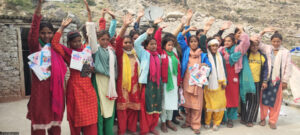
(21, 66)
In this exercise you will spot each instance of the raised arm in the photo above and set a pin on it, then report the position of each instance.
(244, 44)
(55, 41)
(138, 42)
(207, 25)
(91, 31)
(127, 20)
(33, 35)
(141, 13)
(102, 21)
(224, 27)
(179, 27)
(157, 37)
(113, 24)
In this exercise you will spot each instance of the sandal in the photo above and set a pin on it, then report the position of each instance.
(207, 126)
(272, 126)
(164, 127)
(230, 124)
(262, 122)
(185, 126)
(215, 128)
(171, 126)
(196, 131)
(249, 124)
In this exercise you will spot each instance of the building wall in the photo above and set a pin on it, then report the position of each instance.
(10, 80)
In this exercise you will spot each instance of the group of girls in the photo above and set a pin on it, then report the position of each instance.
(137, 77)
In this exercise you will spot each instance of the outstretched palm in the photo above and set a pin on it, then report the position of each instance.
(127, 20)
(189, 14)
(66, 22)
(150, 31)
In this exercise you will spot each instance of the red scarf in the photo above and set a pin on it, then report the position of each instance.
(155, 67)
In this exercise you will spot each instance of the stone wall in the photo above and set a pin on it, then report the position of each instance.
(10, 81)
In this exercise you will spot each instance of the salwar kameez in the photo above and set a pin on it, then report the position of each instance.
(41, 95)
(81, 97)
(215, 105)
(170, 97)
(193, 96)
(129, 97)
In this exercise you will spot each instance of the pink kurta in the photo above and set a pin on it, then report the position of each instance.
(193, 94)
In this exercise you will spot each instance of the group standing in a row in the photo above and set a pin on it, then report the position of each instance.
(141, 78)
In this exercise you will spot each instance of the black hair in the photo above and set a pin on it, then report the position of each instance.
(193, 36)
(127, 36)
(72, 35)
(44, 24)
(166, 39)
(276, 35)
(102, 33)
(231, 36)
(236, 30)
(199, 31)
(147, 41)
(217, 35)
(133, 32)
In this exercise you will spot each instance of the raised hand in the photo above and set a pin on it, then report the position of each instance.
(189, 14)
(111, 14)
(103, 12)
(38, 8)
(183, 20)
(127, 19)
(226, 25)
(141, 13)
(158, 20)
(88, 10)
(208, 24)
(66, 22)
(150, 31)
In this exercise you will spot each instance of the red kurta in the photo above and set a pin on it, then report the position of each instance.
(40, 107)
(82, 106)
(232, 88)
(125, 99)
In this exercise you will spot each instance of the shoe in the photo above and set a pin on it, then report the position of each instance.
(171, 126)
(230, 124)
(262, 122)
(215, 128)
(164, 127)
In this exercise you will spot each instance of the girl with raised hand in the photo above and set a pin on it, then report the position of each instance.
(46, 104)
(170, 77)
(193, 94)
(279, 65)
(128, 88)
(150, 77)
(259, 68)
(214, 93)
(237, 86)
(81, 96)
(104, 79)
